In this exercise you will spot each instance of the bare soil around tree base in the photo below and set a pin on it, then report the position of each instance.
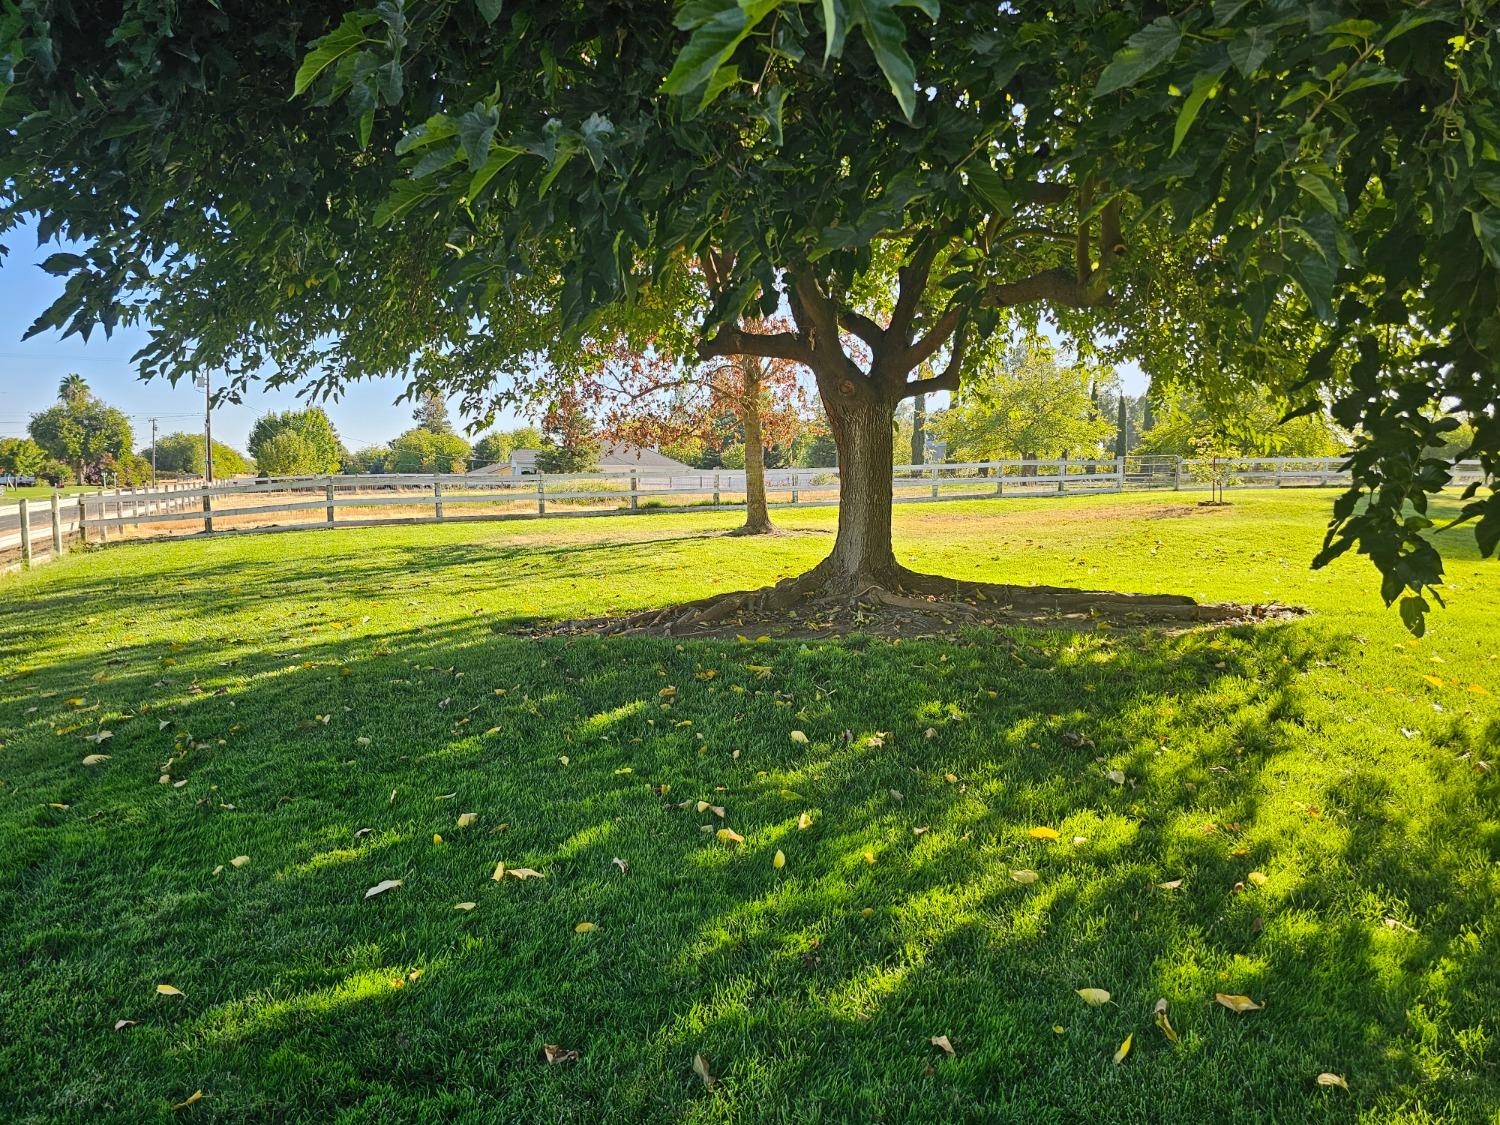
(912, 605)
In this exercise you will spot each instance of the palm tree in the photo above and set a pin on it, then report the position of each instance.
(73, 389)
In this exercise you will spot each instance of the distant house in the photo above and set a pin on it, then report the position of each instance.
(622, 457)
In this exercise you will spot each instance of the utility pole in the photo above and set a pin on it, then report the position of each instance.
(153, 453)
(208, 427)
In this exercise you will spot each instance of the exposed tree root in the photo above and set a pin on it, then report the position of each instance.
(904, 603)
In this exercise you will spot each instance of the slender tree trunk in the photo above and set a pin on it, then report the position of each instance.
(757, 516)
(918, 429)
(862, 554)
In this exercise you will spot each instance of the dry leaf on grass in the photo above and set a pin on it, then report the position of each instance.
(798, 737)
(466, 819)
(121, 1025)
(1124, 1048)
(168, 990)
(778, 861)
(1236, 1003)
(1258, 878)
(1045, 834)
(622, 865)
(804, 822)
(465, 905)
(1328, 1078)
(585, 928)
(555, 1054)
(195, 1096)
(1160, 1015)
(730, 836)
(941, 1042)
(239, 861)
(1169, 885)
(1024, 875)
(499, 872)
(99, 737)
(96, 759)
(523, 873)
(1094, 996)
(381, 887)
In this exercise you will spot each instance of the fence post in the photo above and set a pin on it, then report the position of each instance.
(1176, 474)
(57, 535)
(25, 514)
(437, 497)
(1280, 470)
(83, 515)
(1120, 473)
(795, 478)
(634, 486)
(103, 515)
(1062, 472)
(208, 510)
(541, 494)
(328, 500)
(716, 490)
(933, 473)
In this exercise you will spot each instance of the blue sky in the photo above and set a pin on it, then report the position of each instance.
(31, 370)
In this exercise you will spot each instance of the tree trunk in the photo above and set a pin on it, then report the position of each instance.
(918, 429)
(757, 516)
(862, 553)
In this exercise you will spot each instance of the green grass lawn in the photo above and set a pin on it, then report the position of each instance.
(10, 494)
(329, 703)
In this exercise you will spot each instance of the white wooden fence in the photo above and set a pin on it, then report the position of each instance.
(42, 529)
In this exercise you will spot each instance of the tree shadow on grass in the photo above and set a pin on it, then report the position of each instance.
(812, 989)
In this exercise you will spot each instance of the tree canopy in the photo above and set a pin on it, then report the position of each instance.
(82, 431)
(1303, 197)
(313, 446)
(183, 453)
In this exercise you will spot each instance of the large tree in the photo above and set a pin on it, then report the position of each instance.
(82, 431)
(1289, 195)
(296, 443)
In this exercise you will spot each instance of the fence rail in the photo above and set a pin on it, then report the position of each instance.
(42, 529)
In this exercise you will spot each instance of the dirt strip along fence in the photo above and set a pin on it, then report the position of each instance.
(37, 530)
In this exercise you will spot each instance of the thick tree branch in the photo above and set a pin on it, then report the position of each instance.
(942, 328)
(771, 345)
(1058, 286)
(948, 378)
(863, 327)
(912, 278)
(1038, 192)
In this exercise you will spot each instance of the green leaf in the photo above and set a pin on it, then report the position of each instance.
(886, 35)
(830, 27)
(987, 183)
(1321, 190)
(59, 264)
(1143, 52)
(1249, 50)
(366, 125)
(476, 129)
(328, 50)
(713, 42)
(1487, 230)
(500, 156)
(1414, 614)
(489, 9)
(1203, 89)
(1226, 10)
(1363, 29)
(439, 127)
(775, 103)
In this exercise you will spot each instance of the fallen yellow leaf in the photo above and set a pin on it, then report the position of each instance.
(195, 1096)
(1328, 1078)
(524, 873)
(1024, 875)
(1094, 996)
(1170, 884)
(869, 857)
(555, 1054)
(465, 905)
(950, 778)
(1045, 834)
(1257, 877)
(121, 1025)
(778, 861)
(381, 887)
(1477, 689)
(436, 839)
(1124, 1048)
(585, 928)
(239, 861)
(1236, 1003)
(1160, 1015)
(804, 822)
(1435, 681)
(96, 759)
(798, 737)
(700, 1068)
(730, 836)
(168, 990)
(498, 873)
(941, 1042)
(466, 819)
